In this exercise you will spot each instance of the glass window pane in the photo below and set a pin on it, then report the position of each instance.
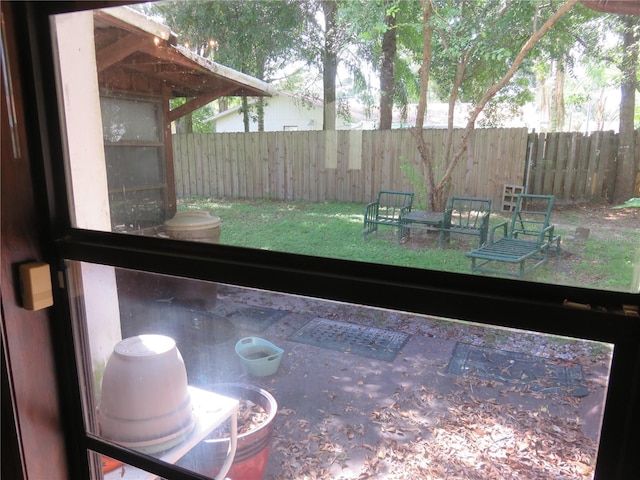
(129, 120)
(137, 209)
(134, 167)
(311, 191)
(343, 389)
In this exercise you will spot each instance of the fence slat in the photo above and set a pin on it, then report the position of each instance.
(610, 146)
(227, 173)
(177, 166)
(581, 167)
(213, 165)
(568, 191)
(551, 151)
(592, 165)
(193, 186)
(539, 162)
(559, 166)
(367, 166)
(198, 173)
(354, 164)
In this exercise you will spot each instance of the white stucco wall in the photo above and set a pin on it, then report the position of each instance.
(280, 111)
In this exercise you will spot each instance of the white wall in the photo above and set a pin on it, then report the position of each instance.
(87, 174)
(280, 112)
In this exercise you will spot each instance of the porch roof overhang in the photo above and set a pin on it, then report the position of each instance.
(622, 7)
(136, 54)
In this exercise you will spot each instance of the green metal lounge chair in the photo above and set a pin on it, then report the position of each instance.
(526, 242)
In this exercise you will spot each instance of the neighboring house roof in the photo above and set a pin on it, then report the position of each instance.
(135, 52)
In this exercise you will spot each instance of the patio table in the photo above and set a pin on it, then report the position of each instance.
(422, 219)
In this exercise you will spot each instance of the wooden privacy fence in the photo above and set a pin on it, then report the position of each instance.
(348, 166)
(573, 166)
(352, 166)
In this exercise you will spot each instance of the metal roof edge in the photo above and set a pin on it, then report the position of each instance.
(227, 72)
(129, 16)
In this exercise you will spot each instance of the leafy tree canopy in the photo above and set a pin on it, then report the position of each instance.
(256, 37)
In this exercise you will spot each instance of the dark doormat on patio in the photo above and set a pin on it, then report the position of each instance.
(537, 373)
(248, 318)
(361, 340)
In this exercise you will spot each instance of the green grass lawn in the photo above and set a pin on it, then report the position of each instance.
(334, 230)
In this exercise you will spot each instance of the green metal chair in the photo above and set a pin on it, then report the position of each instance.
(387, 209)
(466, 216)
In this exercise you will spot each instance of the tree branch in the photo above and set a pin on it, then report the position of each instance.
(491, 92)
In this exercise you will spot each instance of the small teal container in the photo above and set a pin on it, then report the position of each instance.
(258, 356)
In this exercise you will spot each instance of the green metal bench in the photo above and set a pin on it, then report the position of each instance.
(387, 209)
(466, 216)
(526, 242)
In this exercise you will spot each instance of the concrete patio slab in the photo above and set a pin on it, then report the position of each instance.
(338, 409)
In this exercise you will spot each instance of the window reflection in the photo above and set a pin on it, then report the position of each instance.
(366, 390)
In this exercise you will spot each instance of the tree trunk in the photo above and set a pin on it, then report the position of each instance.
(416, 131)
(185, 124)
(453, 98)
(387, 69)
(627, 169)
(542, 98)
(260, 103)
(245, 115)
(330, 65)
(260, 112)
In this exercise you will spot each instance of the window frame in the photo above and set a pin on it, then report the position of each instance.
(489, 301)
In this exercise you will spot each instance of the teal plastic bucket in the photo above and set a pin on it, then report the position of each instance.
(259, 357)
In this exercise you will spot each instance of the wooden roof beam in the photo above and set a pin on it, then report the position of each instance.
(118, 51)
(198, 102)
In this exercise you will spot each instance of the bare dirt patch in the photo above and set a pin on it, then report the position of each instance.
(603, 221)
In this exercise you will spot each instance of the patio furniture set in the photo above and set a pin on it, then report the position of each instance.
(524, 243)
